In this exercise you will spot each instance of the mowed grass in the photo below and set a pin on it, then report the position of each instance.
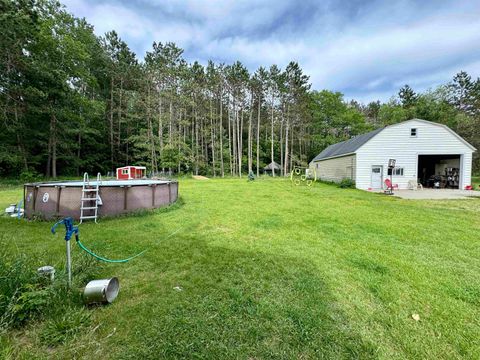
(267, 270)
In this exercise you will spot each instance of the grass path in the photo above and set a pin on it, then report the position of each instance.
(271, 271)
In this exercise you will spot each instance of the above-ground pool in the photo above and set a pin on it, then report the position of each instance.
(51, 200)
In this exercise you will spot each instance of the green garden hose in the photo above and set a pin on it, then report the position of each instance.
(101, 258)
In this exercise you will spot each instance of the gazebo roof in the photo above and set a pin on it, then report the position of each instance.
(272, 165)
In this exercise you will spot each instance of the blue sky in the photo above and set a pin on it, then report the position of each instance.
(365, 49)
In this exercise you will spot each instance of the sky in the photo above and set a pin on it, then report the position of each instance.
(364, 49)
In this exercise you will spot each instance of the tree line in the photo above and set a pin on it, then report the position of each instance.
(71, 102)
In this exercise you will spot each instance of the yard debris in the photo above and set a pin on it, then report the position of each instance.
(178, 288)
(14, 210)
(200, 177)
(416, 317)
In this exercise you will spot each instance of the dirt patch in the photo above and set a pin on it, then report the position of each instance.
(200, 177)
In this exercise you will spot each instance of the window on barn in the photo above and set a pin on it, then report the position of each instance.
(124, 171)
(398, 171)
(413, 132)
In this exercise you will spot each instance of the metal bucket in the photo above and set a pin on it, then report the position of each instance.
(101, 291)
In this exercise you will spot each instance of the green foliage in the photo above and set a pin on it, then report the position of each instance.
(333, 119)
(28, 304)
(26, 297)
(347, 183)
(100, 108)
(407, 96)
(64, 328)
(29, 176)
(392, 113)
(23, 295)
(251, 176)
(6, 349)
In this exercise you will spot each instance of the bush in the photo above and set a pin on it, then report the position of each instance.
(25, 296)
(29, 176)
(21, 297)
(347, 183)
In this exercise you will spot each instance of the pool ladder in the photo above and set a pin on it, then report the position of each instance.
(89, 196)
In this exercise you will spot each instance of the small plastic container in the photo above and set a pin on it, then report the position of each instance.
(47, 271)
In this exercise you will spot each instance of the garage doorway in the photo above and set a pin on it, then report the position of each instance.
(439, 171)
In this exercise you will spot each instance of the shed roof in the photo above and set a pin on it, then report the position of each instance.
(132, 166)
(347, 146)
(272, 165)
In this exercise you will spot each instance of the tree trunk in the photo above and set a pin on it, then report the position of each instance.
(53, 134)
(201, 134)
(271, 142)
(79, 144)
(250, 151)
(128, 141)
(160, 125)
(111, 123)
(179, 140)
(235, 137)
(287, 126)
(212, 132)
(119, 115)
(240, 143)
(291, 150)
(151, 140)
(258, 135)
(170, 133)
(196, 136)
(285, 167)
(222, 169)
(49, 157)
(170, 125)
(281, 145)
(21, 147)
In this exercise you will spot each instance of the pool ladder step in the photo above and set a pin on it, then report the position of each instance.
(89, 195)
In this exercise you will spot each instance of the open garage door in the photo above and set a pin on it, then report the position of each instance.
(439, 171)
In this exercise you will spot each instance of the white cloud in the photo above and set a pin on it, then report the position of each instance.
(366, 50)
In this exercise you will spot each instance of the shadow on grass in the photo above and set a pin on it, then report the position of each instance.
(147, 212)
(235, 304)
(37, 217)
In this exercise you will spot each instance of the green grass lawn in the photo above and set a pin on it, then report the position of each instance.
(268, 270)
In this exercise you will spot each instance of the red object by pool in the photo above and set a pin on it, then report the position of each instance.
(130, 172)
(469, 187)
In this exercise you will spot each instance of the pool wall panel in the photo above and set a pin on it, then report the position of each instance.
(63, 201)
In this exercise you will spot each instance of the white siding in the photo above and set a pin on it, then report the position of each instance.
(335, 169)
(466, 165)
(395, 142)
